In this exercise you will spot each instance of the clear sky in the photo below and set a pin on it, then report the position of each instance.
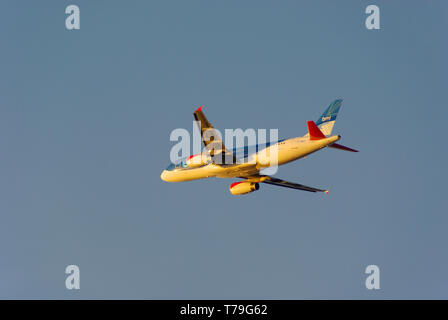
(85, 118)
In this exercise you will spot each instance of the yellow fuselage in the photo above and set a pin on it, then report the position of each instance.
(276, 154)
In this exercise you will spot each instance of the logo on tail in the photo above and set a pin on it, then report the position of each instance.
(328, 118)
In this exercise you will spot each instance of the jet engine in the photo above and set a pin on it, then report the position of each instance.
(197, 160)
(243, 187)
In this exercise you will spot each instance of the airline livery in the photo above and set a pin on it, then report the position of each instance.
(217, 161)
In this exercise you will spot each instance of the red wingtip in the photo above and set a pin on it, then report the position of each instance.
(199, 109)
(326, 191)
(314, 131)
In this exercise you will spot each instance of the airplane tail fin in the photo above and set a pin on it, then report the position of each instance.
(328, 118)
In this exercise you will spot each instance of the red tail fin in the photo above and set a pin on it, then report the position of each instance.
(314, 131)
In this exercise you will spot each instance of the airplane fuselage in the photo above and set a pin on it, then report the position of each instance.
(251, 163)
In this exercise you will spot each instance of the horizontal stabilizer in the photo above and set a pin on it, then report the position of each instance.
(341, 147)
(314, 132)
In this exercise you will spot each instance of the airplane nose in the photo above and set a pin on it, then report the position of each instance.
(163, 175)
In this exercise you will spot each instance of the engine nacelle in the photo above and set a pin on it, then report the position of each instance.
(197, 160)
(243, 187)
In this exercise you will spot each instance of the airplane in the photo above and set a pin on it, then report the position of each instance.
(205, 164)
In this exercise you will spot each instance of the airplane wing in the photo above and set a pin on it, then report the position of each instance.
(283, 183)
(212, 141)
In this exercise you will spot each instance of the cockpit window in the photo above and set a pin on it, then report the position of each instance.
(170, 167)
(179, 165)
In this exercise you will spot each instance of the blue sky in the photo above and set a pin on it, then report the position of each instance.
(85, 118)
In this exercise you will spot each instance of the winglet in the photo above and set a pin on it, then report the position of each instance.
(314, 131)
(199, 109)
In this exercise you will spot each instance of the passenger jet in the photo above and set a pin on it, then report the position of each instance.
(248, 165)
